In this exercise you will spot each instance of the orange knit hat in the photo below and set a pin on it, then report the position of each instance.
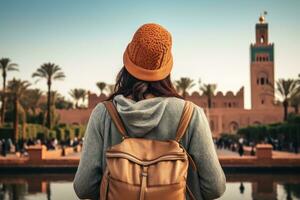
(148, 56)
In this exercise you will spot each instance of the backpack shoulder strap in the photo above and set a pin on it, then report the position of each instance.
(110, 107)
(184, 120)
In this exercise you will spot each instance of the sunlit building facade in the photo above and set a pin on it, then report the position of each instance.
(227, 113)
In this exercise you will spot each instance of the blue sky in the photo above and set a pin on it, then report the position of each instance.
(87, 38)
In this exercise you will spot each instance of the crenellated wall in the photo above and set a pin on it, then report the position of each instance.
(229, 100)
(227, 114)
(93, 99)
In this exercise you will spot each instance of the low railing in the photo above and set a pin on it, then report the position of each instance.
(39, 152)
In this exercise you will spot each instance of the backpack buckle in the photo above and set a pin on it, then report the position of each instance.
(145, 174)
(124, 137)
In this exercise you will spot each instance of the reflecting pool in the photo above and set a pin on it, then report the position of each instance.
(239, 186)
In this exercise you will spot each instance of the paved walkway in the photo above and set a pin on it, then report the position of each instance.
(277, 154)
(226, 152)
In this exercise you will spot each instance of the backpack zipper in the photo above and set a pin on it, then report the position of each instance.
(145, 163)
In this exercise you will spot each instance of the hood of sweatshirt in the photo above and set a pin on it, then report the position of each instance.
(141, 117)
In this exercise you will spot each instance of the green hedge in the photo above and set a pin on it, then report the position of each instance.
(233, 137)
(6, 132)
(61, 132)
(33, 130)
(287, 131)
(69, 131)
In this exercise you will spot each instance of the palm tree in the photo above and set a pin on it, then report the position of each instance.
(84, 95)
(286, 89)
(101, 86)
(50, 72)
(54, 95)
(31, 100)
(61, 103)
(5, 65)
(54, 118)
(183, 85)
(17, 89)
(177, 88)
(209, 91)
(78, 94)
(295, 101)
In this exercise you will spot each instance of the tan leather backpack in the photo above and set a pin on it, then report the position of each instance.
(144, 169)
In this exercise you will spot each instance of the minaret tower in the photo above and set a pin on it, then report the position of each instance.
(262, 67)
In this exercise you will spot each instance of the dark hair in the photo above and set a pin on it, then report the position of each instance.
(128, 85)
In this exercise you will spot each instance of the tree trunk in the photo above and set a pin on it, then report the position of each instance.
(24, 124)
(49, 105)
(3, 99)
(209, 101)
(184, 93)
(16, 119)
(48, 189)
(285, 109)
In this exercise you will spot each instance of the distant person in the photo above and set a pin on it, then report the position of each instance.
(296, 146)
(4, 148)
(148, 113)
(30, 142)
(0, 147)
(241, 147)
(242, 188)
(280, 145)
(241, 150)
(233, 147)
(8, 145)
(252, 153)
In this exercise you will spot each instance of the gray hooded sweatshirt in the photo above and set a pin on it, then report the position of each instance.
(153, 118)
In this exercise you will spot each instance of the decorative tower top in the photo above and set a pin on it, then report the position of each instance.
(262, 67)
(262, 30)
(262, 18)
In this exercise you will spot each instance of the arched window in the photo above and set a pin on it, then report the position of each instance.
(233, 127)
(256, 123)
(229, 104)
(262, 80)
(262, 39)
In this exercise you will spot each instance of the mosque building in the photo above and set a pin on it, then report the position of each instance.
(227, 113)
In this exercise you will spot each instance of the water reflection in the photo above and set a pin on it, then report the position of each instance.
(292, 190)
(262, 186)
(242, 188)
(36, 186)
(239, 186)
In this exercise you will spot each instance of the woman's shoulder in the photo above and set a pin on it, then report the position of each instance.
(174, 101)
(98, 112)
